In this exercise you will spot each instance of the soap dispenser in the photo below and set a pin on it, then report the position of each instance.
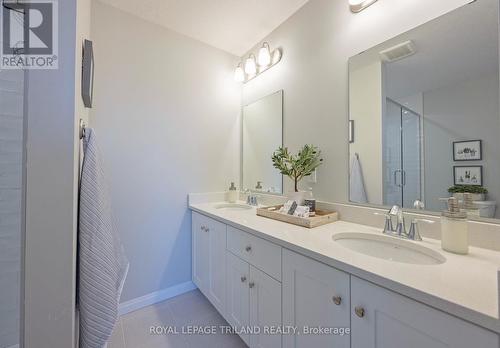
(454, 230)
(232, 194)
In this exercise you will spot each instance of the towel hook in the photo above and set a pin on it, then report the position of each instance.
(82, 129)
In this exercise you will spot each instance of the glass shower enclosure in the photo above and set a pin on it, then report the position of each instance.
(11, 205)
(401, 155)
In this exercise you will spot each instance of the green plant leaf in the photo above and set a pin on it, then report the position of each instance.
(468, 189)
(296, 167)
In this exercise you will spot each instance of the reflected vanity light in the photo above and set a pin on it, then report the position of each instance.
(250, 65)
(359, 5)
(264, 58)
(239, 74)
(254, 67)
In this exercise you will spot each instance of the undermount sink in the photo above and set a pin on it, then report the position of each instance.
(389, 248)
(232, 206)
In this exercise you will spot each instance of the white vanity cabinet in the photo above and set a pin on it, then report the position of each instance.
(253, 296)
(240, 274)
(238, 293)
(382, 318)
(316, 296)
(209, 259)
(254, 283)
(265, 309)
(254, 301)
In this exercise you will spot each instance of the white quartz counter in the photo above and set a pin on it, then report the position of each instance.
(464, 286)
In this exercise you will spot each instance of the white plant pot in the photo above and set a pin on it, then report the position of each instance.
(298, 197)
(475, 196)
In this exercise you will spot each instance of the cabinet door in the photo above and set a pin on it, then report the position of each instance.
(216, 291)
(314, 296)
(237, 295)
(200, 245)
(265, 309)
(385, 319)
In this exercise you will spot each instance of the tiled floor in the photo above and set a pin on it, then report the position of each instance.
(192, 308)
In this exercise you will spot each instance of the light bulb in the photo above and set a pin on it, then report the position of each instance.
(250, 66)
(239, 74)
(264, 58)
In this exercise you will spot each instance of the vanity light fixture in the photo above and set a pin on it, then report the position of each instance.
(239, 74)
(250, 65)
(266, 58)
(359, 5)
(276, 56)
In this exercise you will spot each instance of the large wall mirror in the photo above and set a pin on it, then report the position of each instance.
(424, 114)
(262, 134)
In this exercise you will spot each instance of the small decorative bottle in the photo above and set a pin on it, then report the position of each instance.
(232, 194)
(310, 201)
(454, 231)
(469, 206)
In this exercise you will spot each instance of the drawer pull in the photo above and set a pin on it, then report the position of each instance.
(248, 248)
(243, 279)
(360, 311)
(251, 285)
(337, 300)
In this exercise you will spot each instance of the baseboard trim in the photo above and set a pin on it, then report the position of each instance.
(155, 297)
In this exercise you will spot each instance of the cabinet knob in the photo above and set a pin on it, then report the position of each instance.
(243, 279)
(248, 248)
(337, 300)
(360, 311)
(202, 228)
(251, 285)
(207, 229)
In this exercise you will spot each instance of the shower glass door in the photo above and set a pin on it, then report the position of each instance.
(11, 205)
(401, 155)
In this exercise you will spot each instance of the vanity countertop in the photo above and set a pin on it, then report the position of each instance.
(464, 286)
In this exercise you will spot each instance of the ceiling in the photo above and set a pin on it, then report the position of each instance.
(234, 26)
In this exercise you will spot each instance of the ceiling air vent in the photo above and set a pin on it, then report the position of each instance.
(398, 52)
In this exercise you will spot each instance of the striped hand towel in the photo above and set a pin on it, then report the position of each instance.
(102, 265)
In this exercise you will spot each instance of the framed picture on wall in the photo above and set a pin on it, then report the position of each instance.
(468, 175)
(470, 150)
(87, 73)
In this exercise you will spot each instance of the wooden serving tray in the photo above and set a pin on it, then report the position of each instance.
(322, 217)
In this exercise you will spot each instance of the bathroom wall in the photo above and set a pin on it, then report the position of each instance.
(317, 42)
(465, 111)
(166, 114)
(52, 112)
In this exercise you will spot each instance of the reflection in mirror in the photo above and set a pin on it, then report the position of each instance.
(425, 105)
(262, 134)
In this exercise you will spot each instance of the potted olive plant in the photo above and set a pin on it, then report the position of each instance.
(296, 167)
(478, 192)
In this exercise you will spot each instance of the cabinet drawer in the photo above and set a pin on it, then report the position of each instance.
(382, 318)
(260, 253)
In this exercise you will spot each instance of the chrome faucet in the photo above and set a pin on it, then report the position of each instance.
(414, 234)
(400, 230)
(251, 198)
(397, 211)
